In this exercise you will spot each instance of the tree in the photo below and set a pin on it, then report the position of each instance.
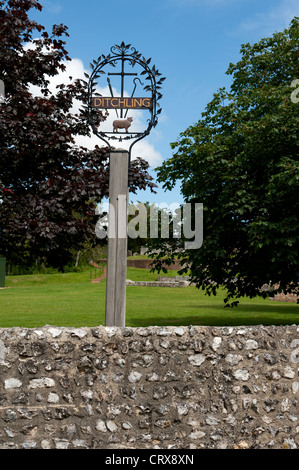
(145, 225)
(241, 161)
(48, 186)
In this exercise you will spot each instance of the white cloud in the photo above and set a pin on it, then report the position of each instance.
(52, 7)
(147, 151)
(75, 69)
(275, 19)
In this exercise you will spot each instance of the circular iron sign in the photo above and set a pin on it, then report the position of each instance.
(131, 83)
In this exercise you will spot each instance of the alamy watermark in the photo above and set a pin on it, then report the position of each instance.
(2, 352)
(295, 353)
(2, 91)
(164, 221)
(295, 93)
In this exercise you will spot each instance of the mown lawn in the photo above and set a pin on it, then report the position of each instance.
(72, 300)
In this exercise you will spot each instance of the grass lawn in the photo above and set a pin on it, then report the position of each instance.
(72, 300)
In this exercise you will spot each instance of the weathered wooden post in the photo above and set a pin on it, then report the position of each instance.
(120, 158)
(117, 240)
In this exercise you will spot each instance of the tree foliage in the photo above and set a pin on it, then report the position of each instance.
(241, 161)
(48, 185)
(148, 222)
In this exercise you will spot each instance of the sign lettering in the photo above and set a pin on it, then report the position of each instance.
(121, 103)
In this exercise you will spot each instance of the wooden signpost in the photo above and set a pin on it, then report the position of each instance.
(117, 239)
(120, 158)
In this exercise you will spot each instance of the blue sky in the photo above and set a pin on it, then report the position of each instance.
(191, 42)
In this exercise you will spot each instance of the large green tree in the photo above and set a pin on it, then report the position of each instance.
(48, 186)
(241, 161)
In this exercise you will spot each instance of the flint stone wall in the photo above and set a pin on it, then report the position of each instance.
(170, 387)
(281, 297)
(157, 283)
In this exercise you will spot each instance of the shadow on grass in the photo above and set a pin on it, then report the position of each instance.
(212, 315)
(209, 321)
(251, 308)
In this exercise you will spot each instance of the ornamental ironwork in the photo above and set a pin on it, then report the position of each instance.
(136, 75)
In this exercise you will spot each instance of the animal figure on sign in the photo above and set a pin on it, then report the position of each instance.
(122, 124)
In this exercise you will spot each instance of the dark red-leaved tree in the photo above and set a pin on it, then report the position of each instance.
(48, 186)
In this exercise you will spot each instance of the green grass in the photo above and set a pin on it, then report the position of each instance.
(48, 279)
(72, 300)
